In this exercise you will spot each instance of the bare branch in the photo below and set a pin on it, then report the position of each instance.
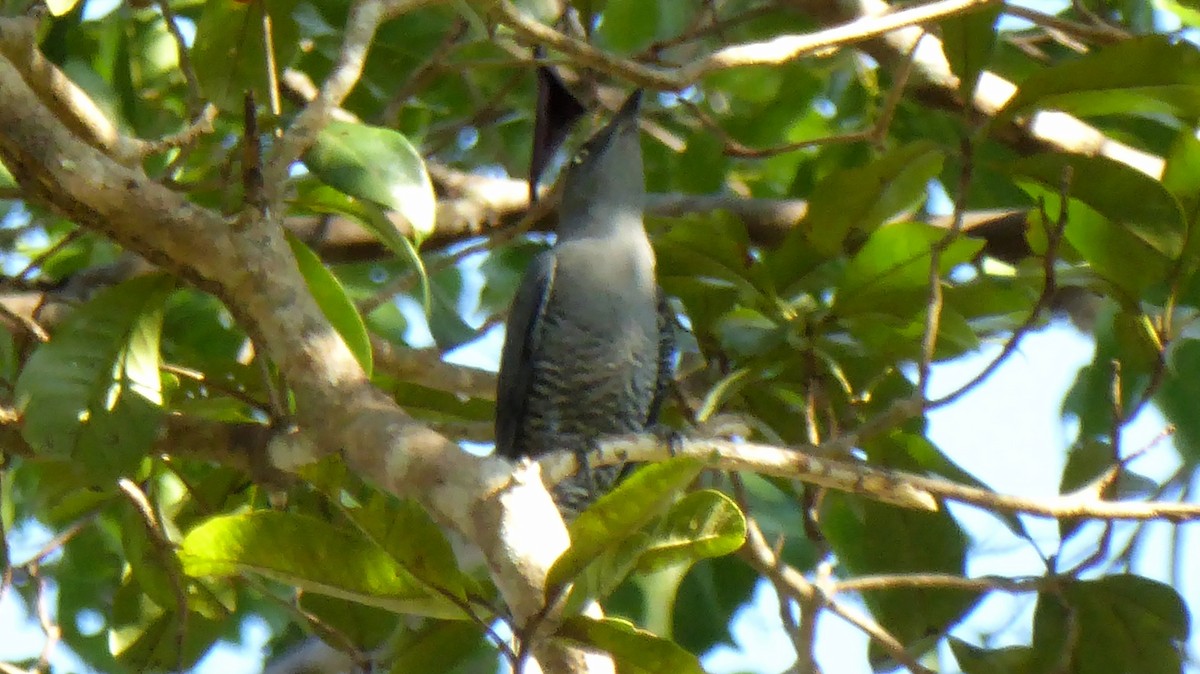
(1047, 128)
(250, 266)
(184, 56)
(794, 582)
(780, 49)
(807, 463)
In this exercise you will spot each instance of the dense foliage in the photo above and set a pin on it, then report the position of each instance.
(833, 218)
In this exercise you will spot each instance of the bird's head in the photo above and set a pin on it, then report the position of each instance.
(605, 180)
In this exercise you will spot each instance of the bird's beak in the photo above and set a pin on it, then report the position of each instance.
(628, 114)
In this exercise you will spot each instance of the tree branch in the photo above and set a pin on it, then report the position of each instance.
(338, 408)
(780, 49)
(809, 464)
(1043, 129)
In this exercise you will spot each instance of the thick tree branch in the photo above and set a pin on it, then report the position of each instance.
(37, 312)
(338, 409)
(74, 107)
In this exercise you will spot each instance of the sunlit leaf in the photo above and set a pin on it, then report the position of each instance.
(636, 651)
(334, 303)
(968, 40)
(229, 55)
(1128, 197)
(702, 524)
(1147, 75)
(310, 553)
(619, 514)
(377, 164)
(975, 660)
(93, 393)
(861, 199)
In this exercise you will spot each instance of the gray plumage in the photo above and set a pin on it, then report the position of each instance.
(590, 338)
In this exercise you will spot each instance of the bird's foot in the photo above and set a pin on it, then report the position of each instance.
(672, 437)
(583, 456)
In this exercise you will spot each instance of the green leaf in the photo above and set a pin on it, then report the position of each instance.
(1181, 175)
(1186, 10)
(309, 553)
(1114, 190)
(403, 529)
(861, 199)
(629, 25)
(872, 538)
(1112, 625)
(968, 41)
(1147, 76)
(7, 181)
(443, 646)
(890, 273)
(321, 198)
(93, 394)
(746, 332)
(446, 323)
(228, 55)
(334, 303)
(60, 7)
(609, 522)
(379, 165)
(975, 660)
(714, 248)
(702, 524)
(433, 405)
(366, 627)
(635, 651)
(400, 527)
(722, 391)
(146, 637)
(707, 599)
(1177, 396)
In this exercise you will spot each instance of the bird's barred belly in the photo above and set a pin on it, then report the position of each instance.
(587, 385)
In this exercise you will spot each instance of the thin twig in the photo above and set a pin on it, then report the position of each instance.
(780, 49)
(1103, 33)
(37, 261)
(763, 558)
(405, 282)
(200, 126)
(808, 464)
(802, 632)
(157, 534)
(424, 73)
(185, 60)
(933, 310)
(45, 618)
(1054, 237)
(272, 69)
(940, 581)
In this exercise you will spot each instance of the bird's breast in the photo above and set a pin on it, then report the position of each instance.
(596, 364)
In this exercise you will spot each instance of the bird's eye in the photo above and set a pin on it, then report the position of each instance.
(580, 157)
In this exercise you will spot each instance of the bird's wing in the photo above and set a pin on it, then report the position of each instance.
(520, 348)
(667, 323)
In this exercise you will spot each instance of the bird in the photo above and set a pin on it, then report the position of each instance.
(589, 338)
